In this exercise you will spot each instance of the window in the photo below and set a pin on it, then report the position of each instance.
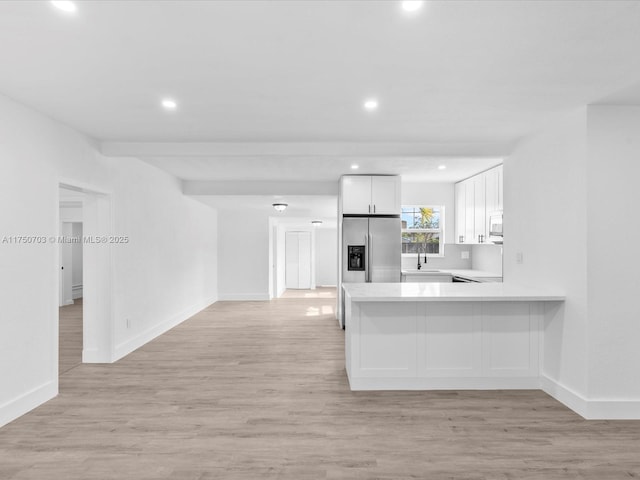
(422, 230)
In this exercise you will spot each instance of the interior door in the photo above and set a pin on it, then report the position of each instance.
(304, 260)
(298, 260)
(292, 260)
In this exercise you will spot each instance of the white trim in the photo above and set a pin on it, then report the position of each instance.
(564, 395)
(76, 291)
(462, 383)
(591, 409)
(26, 402)
(128, 346)
(244, 297)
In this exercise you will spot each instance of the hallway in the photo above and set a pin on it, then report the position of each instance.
(248, 390)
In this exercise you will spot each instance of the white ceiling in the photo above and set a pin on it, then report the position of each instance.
(462, 76)
(312, 207)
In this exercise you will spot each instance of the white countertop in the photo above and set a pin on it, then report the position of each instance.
(447, 292)
(477, 275)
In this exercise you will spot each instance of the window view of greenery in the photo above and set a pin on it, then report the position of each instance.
(421, 229)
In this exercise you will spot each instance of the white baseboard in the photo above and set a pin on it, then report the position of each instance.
(434, 383)
(591, 409)
(76, 292)
(26, 402)
(139, 340)
(244, 297)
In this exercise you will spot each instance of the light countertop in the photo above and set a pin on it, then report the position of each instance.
(447, 292)
(477, 275)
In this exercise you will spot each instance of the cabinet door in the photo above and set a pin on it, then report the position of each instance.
(470, 212)
(491, 196)
(461, 207)
(356, 194)
(385, 195)
(500, 171)
(480, 208)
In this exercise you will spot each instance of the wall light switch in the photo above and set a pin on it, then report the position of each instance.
(519, 257)
(464, 254)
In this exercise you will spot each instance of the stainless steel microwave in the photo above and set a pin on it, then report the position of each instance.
(495, 227)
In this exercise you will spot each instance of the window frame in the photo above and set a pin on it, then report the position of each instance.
(439, 230)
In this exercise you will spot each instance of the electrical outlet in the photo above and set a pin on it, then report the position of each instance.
(464, 255)
(519, 257)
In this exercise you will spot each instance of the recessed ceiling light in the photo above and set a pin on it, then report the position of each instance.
(64, 5)
(316, 223)
(412, 5)
(442, 167)
(371, 104)
(169, 104)
(355, 167)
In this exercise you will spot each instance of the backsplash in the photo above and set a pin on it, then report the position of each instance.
(452, 259)
(487, 258)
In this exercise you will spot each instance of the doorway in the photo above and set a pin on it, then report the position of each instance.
(84, 277)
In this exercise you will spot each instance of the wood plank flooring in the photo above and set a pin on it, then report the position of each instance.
(70, 336)
(257, 390)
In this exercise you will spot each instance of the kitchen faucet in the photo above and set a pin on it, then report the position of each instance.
(425, 257)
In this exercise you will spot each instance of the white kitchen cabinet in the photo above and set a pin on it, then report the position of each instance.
(493, 194)
(479, 208)
(470, 211)
(298, 260)
(461, 212)
(375, 195)
(476, 199)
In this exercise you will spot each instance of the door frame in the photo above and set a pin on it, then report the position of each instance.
(97, 311)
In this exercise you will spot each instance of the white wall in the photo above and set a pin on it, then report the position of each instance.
(166, 272)
(612, 236)
(545, 218)
(76, 260)
(326, 256)
(243, 253)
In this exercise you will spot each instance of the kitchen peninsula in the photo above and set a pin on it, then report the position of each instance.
(423, 336)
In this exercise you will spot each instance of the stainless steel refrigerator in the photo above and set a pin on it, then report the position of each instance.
(371, 249)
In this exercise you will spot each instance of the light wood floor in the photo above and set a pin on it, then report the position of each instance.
(257, 390)
(70, 336)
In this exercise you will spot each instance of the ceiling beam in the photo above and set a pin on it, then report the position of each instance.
(307, 149)
(203, 187)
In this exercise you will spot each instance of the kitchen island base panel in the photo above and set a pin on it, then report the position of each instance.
(443, 345)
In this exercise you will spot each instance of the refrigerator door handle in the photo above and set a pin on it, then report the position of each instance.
(366, 258)
(370, 256)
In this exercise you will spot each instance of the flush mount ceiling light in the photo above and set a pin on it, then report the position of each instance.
(412, 5)
(316, 223)
(169, 104)
(442, 167)
(280, 207)
(371, 104)
(355, 167)
(64, 5)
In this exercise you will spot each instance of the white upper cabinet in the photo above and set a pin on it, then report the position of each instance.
(480, 208)
(476, 199)
(356, 194)
(461, 211)
(375, 195)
